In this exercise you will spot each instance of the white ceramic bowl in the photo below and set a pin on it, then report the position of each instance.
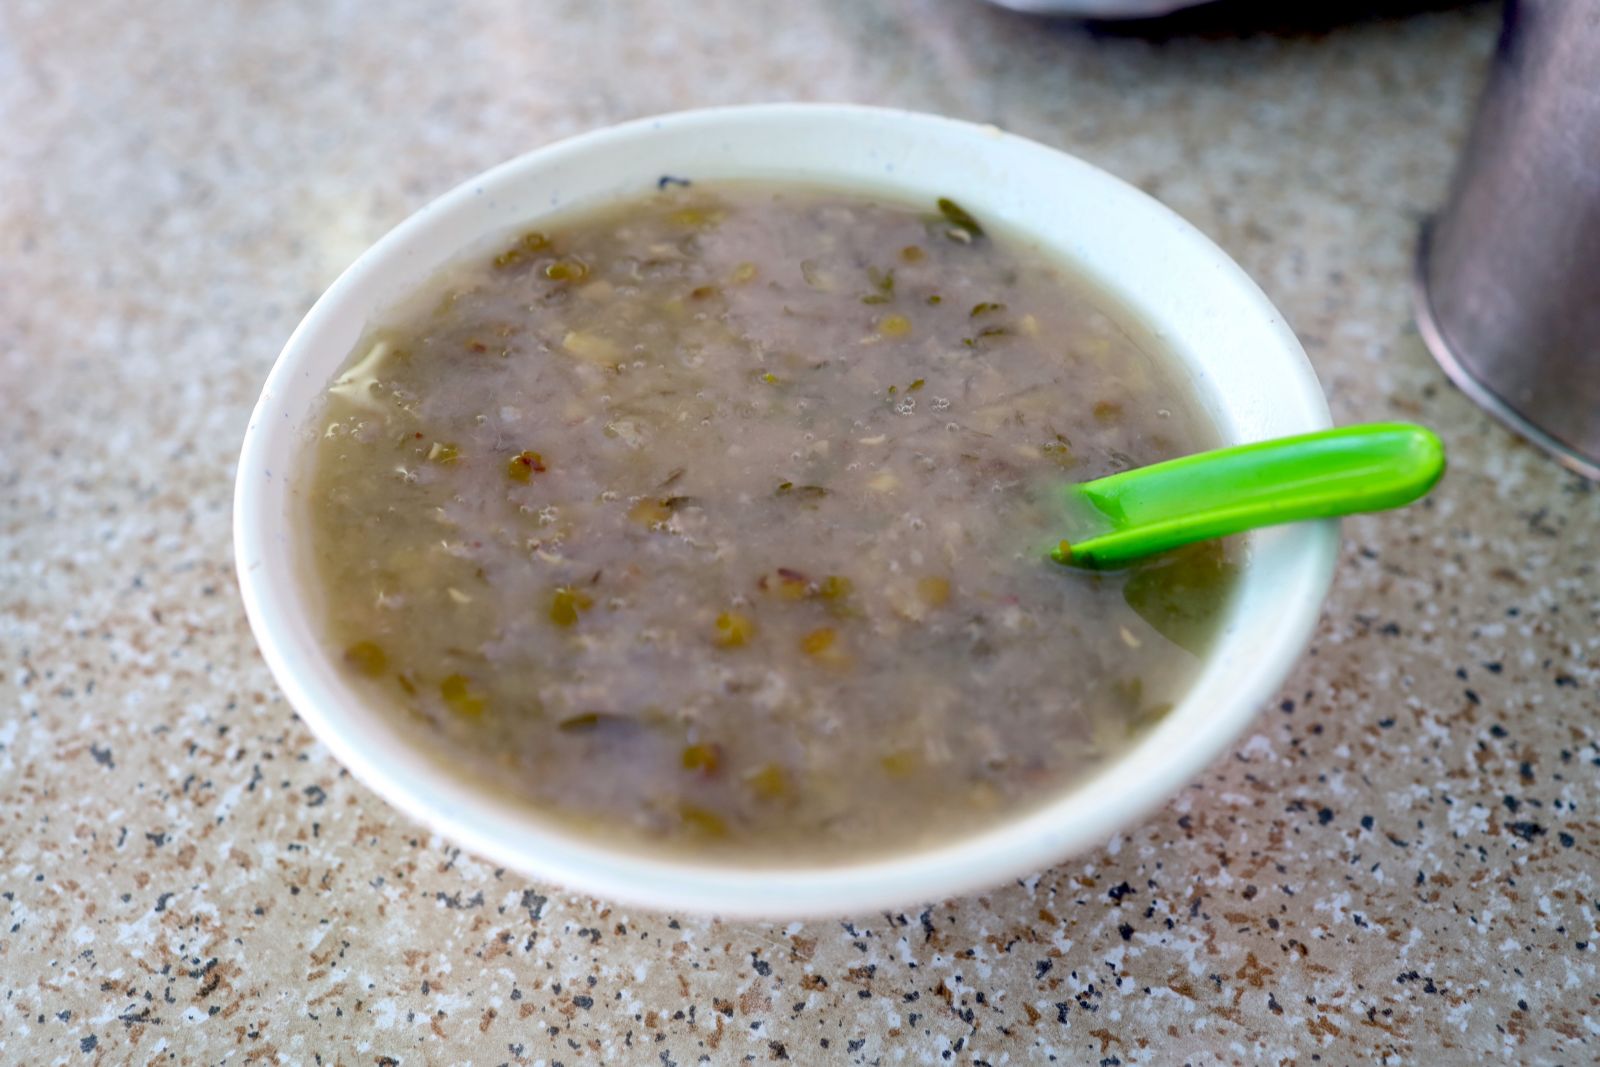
(1245, 362)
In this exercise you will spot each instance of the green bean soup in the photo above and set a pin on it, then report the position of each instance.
(718, 521)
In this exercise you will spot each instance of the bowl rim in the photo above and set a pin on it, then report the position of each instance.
(513, 836)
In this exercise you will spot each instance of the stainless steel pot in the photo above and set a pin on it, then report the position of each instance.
(1508, 274)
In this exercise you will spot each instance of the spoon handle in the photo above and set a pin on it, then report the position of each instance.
(1315, 476)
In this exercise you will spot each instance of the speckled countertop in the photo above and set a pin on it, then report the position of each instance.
(1400, 861)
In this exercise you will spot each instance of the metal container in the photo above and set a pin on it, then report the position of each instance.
(1508, 274)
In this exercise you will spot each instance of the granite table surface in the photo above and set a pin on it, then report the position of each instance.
(1399, 861)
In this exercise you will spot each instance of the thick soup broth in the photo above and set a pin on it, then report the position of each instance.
(718, 521)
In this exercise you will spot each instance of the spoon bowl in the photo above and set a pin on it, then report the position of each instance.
(1229, 341)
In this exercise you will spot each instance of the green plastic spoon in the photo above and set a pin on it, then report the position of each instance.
(1138, 513)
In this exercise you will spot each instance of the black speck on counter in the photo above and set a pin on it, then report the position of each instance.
(454, 902)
